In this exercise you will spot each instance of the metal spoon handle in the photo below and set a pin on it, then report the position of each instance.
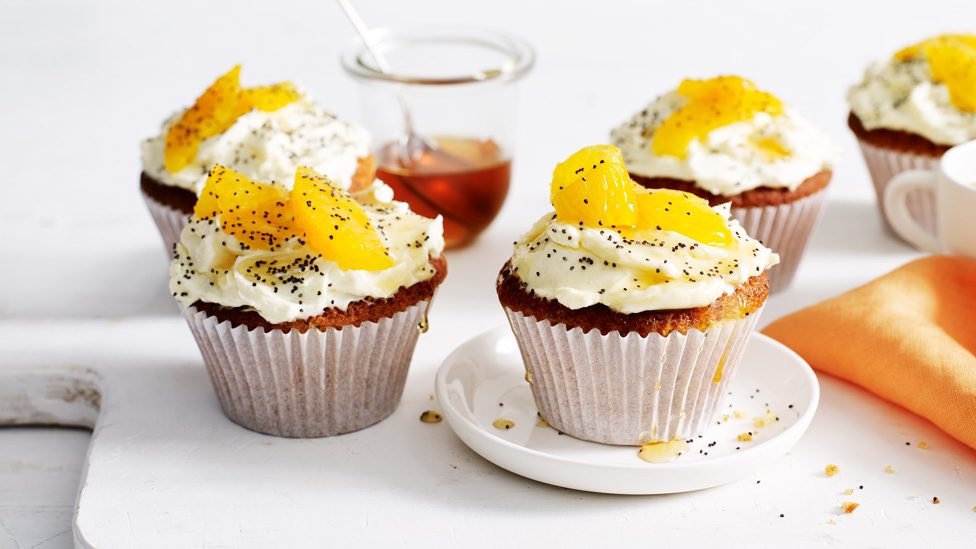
(363, 31)
(374, 50)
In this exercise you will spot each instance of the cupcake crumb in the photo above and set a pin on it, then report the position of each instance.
(745, 437)
(848, 492)
(888, 469)
(831, 470)
(923, 445)
(849, 506)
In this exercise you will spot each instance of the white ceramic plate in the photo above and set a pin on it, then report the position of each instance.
(483, 381)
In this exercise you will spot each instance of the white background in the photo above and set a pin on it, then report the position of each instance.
(82, 83)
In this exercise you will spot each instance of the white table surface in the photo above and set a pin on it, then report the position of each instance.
(81, 83)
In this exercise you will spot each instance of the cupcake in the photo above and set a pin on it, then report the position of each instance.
(631, 306)
(726, 141)
(264, 133)
(305, 303)
(911, 108)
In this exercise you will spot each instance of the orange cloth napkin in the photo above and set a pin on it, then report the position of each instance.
(909, 337)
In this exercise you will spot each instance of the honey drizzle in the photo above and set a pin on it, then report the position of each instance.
(662, 452)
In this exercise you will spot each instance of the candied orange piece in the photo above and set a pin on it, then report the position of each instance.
(592, 187)
(683, 213)
(335, 225)
(215, 111)
(257, 214)
(712, 104)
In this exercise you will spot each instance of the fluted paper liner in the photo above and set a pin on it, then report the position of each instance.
(785, 229)
(630, 390)
(312, 384)
(169, 221)
(884, 164)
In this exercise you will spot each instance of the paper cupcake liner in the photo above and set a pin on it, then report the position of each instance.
(169, 221)
(785, 229)
(884, 164)
(312, 384)
(630, 390)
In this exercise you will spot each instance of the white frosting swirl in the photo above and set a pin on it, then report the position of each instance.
(296, 282)
(581, 266)
(268, 146)
(730, 159)
(901, 95)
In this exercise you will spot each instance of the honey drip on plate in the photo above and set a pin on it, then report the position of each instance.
(430, 416)
(662, 452)
(503, 424)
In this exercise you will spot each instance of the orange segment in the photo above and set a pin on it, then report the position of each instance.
(268, 98)
(592, 187)
(257, 214)
(771, 149)
(956, 68)
(960, 40)
(335, 225)
(952, 59)
(712, 104)
(683, 213)
(215, 111)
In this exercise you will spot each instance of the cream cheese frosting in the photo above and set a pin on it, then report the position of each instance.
(268, 146)
(647, 270)
(902, 95)
(296, 282)
(731, 159)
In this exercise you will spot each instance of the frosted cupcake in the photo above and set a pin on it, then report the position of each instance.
(726, 141)
(264, 133)
(911, 108)
(305, 303)
(631, 306)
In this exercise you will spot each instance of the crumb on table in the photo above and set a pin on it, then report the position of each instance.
(430, 416)
(849, 506)
(831, 470)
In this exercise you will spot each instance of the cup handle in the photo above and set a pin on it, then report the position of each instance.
(896, 207)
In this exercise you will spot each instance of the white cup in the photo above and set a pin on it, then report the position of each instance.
(954, 185)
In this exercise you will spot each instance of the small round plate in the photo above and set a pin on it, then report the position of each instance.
(771, 400)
